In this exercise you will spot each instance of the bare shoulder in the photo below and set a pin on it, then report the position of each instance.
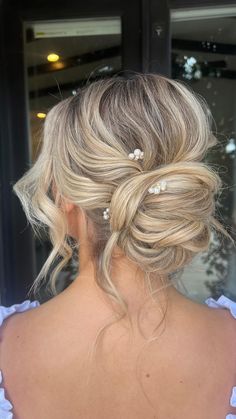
(219, 329)
(218, 320)
(46, 348)
(223, 322)
(58, 321)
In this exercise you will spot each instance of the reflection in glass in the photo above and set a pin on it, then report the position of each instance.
(204, 57)
(61, 56)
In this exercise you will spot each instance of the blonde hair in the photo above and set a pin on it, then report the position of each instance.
(86, 142)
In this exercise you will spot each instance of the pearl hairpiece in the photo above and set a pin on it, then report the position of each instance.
(154, 189)
(158, 187)
(106, 215)
(136, 155)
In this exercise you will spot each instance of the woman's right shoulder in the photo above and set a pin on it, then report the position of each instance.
(222, 315)
(222, 311)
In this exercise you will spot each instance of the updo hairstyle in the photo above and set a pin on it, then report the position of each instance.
(86, 142)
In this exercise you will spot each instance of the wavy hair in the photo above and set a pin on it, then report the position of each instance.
(84, 153)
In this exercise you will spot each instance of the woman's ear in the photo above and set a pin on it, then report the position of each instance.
(70, 211)
(67, 205)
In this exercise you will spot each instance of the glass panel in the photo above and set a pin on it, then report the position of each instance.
(204, 56)
(61, 56)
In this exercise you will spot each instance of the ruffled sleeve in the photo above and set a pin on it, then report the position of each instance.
(223, 301)
(5, 405)
(226, 302)
(5, 312)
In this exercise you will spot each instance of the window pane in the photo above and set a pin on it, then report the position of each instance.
(204, 56)
(60, 56)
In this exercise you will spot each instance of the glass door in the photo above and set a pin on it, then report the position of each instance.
(203, 55)
(63, 55)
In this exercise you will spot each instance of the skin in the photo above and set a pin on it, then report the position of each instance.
(126, 276)
(197, 342)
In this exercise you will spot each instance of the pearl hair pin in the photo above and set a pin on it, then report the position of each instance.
(154, 189)
(136, 155)
(158, 187)
(106, 215)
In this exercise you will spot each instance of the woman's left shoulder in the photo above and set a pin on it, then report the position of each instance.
(11, 321)
(10, 331)
(7, 313)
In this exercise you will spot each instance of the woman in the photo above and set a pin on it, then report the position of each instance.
(120, 178)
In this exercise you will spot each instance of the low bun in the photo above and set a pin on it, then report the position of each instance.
(87, 141)
(163, 232)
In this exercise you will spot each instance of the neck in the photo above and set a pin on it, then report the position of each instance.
(128, 279)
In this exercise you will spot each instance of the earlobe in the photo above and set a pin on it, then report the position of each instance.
(67, 206)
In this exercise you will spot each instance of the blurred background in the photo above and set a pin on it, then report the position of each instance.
(49, 49)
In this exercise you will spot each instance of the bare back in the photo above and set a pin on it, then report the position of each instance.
(188, 372)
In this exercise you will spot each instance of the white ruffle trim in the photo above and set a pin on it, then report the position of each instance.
(5, 405)
(226, 302)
